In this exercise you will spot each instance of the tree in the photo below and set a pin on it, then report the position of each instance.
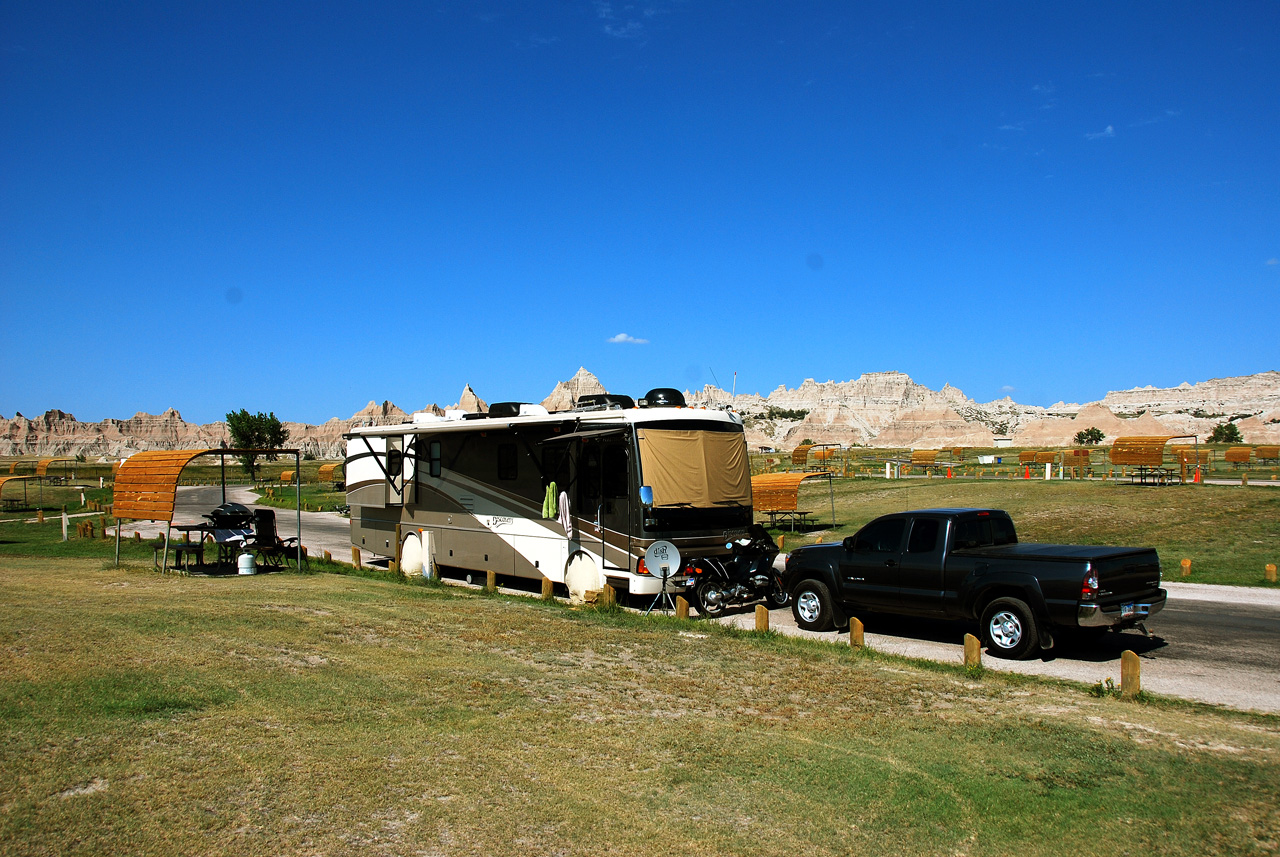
(1226, 433)
(1091, 436)
(255, 431)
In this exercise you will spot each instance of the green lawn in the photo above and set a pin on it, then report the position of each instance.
(289, 714)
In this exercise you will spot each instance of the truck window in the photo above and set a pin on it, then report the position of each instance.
(985, 532)
(924, 536)
(881, 536)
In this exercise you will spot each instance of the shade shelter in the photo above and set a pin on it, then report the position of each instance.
(146, 487)
(23, 479)
(1145, 453)
(42, 466)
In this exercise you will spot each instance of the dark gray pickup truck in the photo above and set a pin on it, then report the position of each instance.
(967, 564)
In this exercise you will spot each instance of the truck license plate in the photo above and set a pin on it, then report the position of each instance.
(1126, 610)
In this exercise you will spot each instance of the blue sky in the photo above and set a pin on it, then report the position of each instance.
(300, 207)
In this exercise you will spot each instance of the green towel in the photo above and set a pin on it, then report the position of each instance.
(550, 503)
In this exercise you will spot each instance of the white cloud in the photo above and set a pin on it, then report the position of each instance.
(627, 338)
(1008, 389)
(1014, 126)
(1273, 261)
(1109, 131)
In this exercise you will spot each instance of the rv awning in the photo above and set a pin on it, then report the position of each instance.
(588, 433)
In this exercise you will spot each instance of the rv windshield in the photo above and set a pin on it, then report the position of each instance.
(695, 468)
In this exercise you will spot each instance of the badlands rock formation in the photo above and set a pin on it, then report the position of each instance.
(879, 409)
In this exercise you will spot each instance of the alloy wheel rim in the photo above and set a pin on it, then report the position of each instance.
(809, 606)
(1006, 629)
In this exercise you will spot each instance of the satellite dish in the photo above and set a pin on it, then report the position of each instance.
(662, 559)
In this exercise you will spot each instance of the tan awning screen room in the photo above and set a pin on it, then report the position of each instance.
(702, 469)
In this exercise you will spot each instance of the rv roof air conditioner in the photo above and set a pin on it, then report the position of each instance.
(604, 401)
(662, 397)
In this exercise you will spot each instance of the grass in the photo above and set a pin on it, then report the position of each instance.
(1229, 533)
(336, 714)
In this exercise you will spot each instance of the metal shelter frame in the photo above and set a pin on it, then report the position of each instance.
(151, 484)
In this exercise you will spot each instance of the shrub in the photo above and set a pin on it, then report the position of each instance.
(1090, 436)
(1226, 433)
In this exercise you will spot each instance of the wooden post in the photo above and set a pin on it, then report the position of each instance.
(682, 607)
(608, 596)
(355, 556)
(1244, 480)
(762, 618)
(855, 633)
(972, 651)
(548, 589)
(328, 557)
(781, 541)
(490, 580)
(39, 516)
(1186, 568)
(1271, 572)
(1130, 674)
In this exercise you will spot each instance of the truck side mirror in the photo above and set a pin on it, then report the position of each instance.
(646, 496)
(851, 543)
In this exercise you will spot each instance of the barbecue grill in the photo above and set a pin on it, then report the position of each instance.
(232, 526)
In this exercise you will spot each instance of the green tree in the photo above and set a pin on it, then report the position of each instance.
(1226, 433)
(1091, 436)
(255, 431)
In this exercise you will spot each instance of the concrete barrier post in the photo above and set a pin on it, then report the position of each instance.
(682, 607)
(1130, 674)
(972, 651)
(855, 633)
(762, 618)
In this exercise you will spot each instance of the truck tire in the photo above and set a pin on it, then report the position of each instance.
(812, 606)
(1009, 629)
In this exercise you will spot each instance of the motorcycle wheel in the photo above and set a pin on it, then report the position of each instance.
(711, 599)
(778, 597)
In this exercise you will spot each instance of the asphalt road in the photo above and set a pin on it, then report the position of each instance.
(1214, 644)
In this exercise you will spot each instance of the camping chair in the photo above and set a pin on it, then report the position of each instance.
(269, 547)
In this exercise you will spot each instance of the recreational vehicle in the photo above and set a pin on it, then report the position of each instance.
(574, 496)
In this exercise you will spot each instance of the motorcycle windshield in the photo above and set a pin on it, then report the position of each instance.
(688, 468)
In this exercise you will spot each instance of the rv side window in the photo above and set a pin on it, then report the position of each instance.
(434, 460)
(507, 467)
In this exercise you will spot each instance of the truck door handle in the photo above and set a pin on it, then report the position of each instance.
(890, 563)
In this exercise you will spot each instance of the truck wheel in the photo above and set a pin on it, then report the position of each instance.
(1009, 629)
(812, 606)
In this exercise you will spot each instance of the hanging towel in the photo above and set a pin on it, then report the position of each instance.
(566, 516)
(549, 509)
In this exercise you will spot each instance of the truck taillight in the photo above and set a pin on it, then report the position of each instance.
(1089, 591)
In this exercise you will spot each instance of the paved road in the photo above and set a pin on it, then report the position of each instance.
(1211, 643)
(1215, 644)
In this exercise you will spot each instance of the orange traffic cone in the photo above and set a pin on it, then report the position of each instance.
(1027, 474)
(948, 472)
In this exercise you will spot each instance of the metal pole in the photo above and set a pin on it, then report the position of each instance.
(831, 488)
(223, 458)
(164, 562)
(117, 541)
(297, 477)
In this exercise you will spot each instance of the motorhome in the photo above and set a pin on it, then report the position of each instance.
(575, 496)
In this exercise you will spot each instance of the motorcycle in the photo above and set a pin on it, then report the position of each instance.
(746, 575)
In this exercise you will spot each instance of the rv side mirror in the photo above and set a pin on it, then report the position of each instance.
(646, 496)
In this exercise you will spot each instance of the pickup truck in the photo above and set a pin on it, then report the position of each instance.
(967, 564)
